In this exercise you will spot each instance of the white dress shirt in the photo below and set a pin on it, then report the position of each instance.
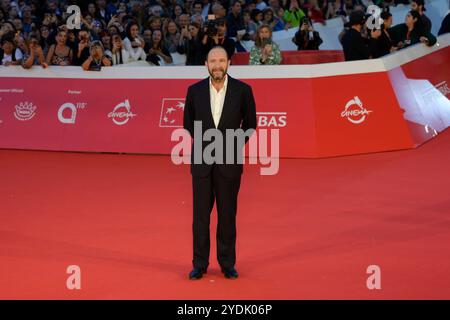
(217, 99)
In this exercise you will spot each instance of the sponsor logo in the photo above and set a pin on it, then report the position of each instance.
(69, 116)
(172, 112)
(271, 119)
(72, 115)
(25, 111)
(121, 113)
(355, 112)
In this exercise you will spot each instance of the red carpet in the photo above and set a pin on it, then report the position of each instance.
(309, 232)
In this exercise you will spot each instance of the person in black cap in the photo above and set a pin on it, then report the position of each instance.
(355, 46)
(419, 6)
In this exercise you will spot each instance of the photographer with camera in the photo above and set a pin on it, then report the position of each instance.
(265, 51)
(306, 38)
(215, 35)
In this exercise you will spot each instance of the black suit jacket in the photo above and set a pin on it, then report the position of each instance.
(239, 112)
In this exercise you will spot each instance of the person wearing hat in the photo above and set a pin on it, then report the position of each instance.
(97, 58)
(419, 6)
(354, 45)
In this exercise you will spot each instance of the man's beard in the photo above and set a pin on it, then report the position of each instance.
(217, 78)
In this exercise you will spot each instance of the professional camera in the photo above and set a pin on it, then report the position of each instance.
(211, 26)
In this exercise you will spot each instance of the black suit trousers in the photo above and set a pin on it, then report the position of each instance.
(224, 191)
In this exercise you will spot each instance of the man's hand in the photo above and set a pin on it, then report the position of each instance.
(424, 40)
(82, 45)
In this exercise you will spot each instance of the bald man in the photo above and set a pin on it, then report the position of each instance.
(218, 102)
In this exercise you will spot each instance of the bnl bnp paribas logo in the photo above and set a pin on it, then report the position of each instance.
(172, 110)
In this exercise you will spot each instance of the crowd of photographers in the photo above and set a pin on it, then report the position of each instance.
(37, 32)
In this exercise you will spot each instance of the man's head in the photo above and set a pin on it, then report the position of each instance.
(26, 11)
(217, 62)
(387, 19)
(418, 5)
(236, 7)
(198, 7)
(357, 19)
(184, 20)
(218, 10)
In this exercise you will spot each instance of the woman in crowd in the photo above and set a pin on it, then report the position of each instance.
(60, 54)
(171, 36)
(412, 31)
(269, 18)
(306, 38)
(190, 44)
(157, 53)
(118, 54)
(265, 51)
(133, 43)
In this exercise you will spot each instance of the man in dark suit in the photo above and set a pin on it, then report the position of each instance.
(218, 103)
(354, 45)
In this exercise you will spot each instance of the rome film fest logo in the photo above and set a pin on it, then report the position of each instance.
(121, 113)
(354, 111)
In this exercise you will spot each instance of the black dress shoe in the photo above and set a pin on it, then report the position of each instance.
(196, 273)
(230, 273)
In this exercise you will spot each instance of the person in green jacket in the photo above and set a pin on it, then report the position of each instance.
(265, 51)
(411, 32)
(293, 15)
